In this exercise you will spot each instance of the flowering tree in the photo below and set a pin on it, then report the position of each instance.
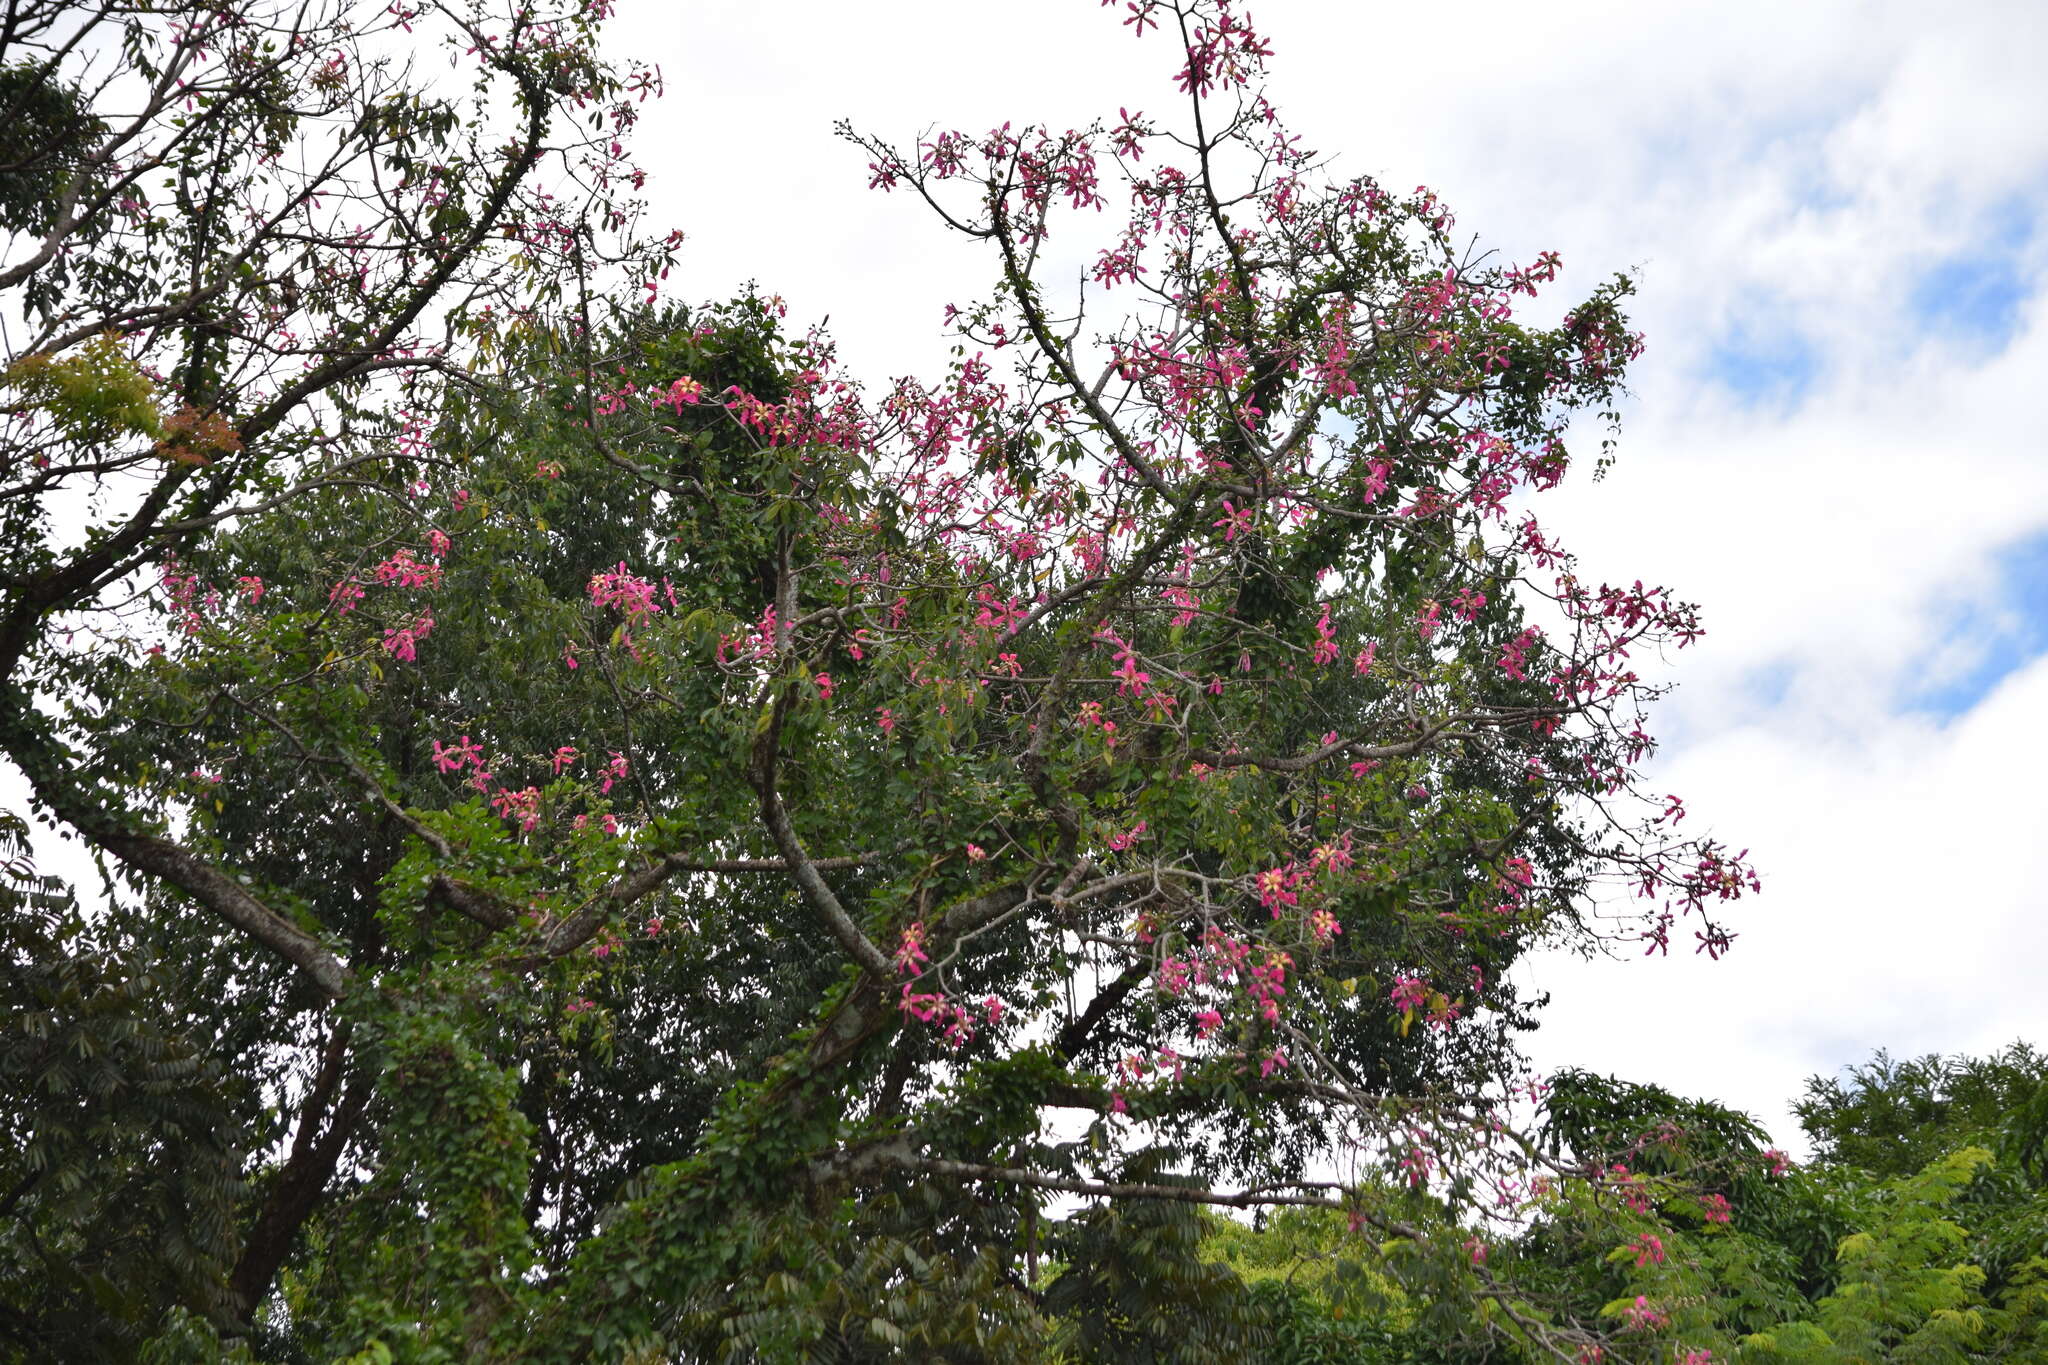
(679, 829)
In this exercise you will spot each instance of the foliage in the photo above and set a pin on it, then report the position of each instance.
(1894, 1117)
(1919, 1265)
(644, 847)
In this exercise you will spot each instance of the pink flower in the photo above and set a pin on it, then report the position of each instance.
(455, 757)
(976, 853)
(924, 1007)
(613, 771)
(564, 756)
(1233, 521)
(886, 718)
(910, 951)
(824, 683)
(252, 588)
(1207, 1022)
(1362, 665)
(1426, 620)
(1274, 892)
(1409, 993)
(1274, 1059)
(1649, 1250)
(521, 806)
(632, 595)
(1326, 642)
(402, 570)
(402, 644)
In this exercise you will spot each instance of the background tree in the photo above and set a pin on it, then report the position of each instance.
(238, 240)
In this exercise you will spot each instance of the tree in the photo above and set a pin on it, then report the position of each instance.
(653, 845)
(1894, 1117)
(1708, 1247)
(239, 240)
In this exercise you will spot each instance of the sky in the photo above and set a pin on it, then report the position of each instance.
(1839, 217)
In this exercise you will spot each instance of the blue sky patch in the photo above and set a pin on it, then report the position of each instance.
(1764, 366)
(2012, 626)
(1977, 294)
(1977, 297)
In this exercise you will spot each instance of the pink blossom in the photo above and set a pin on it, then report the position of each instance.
(522, 806)
(402, 643)
(632, 595)
(1274, 888)
(1427, 619)
(1326, 643)
(910, 950)
(1233, 521)
(402, 570)
(1408, 993)
(455, 757)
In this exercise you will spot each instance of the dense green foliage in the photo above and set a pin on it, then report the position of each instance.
(1838, 1260)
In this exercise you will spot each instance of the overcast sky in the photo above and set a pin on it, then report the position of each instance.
(1835, 445)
